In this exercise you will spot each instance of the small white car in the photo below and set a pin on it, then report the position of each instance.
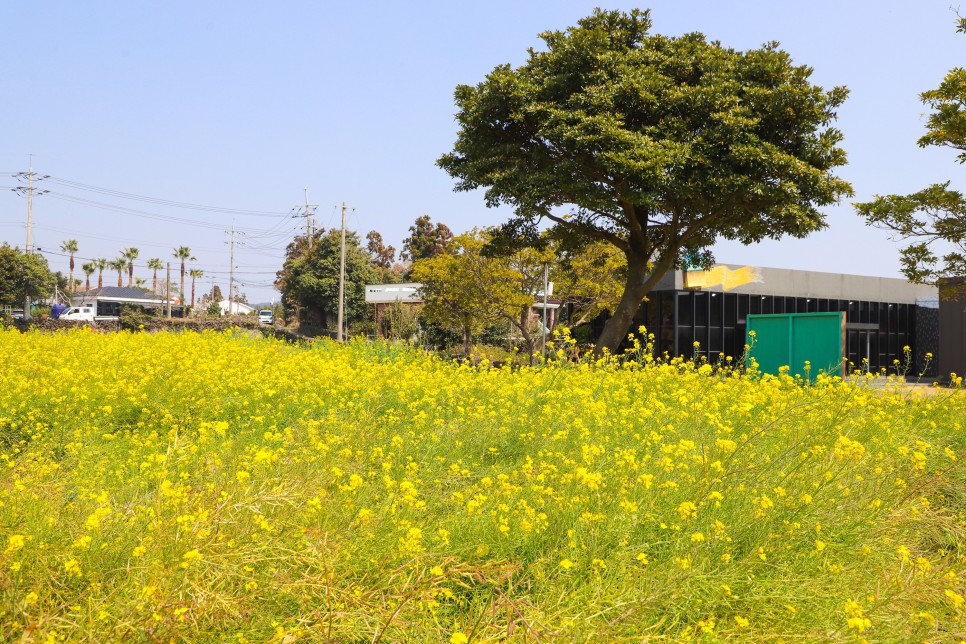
(265, 316)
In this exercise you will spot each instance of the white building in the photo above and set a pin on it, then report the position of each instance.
(237, 308)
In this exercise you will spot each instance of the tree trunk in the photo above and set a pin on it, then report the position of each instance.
(100, 279)
(88, 287)
(71, 286)
(130, 274)
(636, 288)
(154, 285)
(192, 294)
(120, 279)
(467, 342)
(528, 339)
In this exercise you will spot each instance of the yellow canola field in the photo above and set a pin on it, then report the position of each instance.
(219, 487)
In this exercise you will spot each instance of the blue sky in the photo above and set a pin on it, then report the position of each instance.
(243, 105)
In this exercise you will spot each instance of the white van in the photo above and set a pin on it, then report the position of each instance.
(85, 313)
(265, 316)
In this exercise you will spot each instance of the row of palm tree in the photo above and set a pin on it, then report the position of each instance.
(126, 261)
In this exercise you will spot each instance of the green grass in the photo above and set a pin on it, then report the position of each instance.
(218, 487)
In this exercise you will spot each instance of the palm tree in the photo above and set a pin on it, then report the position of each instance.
(102, 265)
(155, 264)
(89, 269)
(119, 265)
(139, 282)
(182, 253)
(70, 246)
(130, 254)
(195, 274)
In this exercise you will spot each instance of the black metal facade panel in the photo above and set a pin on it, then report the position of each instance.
(952, 337)
(927, 341)
(716, 322)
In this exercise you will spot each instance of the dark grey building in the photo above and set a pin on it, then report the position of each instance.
(710, 307)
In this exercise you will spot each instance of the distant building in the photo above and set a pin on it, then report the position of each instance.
(235, 308)
(109, 300)
(383, 295)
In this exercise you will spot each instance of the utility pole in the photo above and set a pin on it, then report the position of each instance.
(231, 269)
(306, 211)
(167, 290)
(29, 190)
(342, 278)
(546, 269)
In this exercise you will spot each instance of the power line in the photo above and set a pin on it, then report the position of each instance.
(142, 213)
(163, 202)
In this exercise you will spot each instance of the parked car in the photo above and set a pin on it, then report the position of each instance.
(265, 316)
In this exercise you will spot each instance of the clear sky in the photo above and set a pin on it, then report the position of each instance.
(240, 106)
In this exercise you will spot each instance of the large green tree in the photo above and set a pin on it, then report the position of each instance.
(23, 274)
(933, 220)
(309, 279)
(658, 145)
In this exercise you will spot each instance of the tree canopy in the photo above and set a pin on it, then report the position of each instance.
(309, 279)
(932, 220)
(590, 279)
(657, 145)
(425, 240)
(464, 290)
(23, 274)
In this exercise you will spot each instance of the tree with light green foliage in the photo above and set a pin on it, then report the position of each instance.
(590, 279)
(466, 290)
(657, 145)
(932, 220)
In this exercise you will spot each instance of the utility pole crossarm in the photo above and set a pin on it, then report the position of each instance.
(30, 191)
(306, 211)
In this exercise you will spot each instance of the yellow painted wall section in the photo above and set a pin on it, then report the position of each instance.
(722, 276)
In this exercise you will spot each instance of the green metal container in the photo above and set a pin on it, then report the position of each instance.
(792, 339)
